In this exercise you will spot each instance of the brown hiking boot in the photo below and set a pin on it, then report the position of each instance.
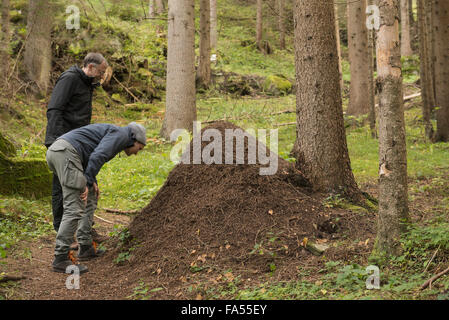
(74, 246)
(96, 237)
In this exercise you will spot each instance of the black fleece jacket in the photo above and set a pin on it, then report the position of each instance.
(70, 105)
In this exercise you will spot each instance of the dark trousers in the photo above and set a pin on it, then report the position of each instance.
(56, 202)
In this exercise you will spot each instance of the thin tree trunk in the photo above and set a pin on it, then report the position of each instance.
(406, 49)
(441, 29)
(204, 62)
(431, 50)
(425, 80)
(320, 147)
(359, 60)
(37, 54)
(371, 91)
(213, 23)
(281, 24)
(151, 11)
(393, 193)
(180, 93)
(159, 6)
(259, 25)
(4, 44)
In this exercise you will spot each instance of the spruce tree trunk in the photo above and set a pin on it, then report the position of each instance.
(441, 29)
(337, 35)
(393, 193)
(425, 75)
(159, 6)
(4, 43)
(259, 25)
(320, 147)
(406, 49)
(281, 24)
(180, 92)
(213, 23)
(359, 60)
(37, 54)
(151, 11)
(204, 62)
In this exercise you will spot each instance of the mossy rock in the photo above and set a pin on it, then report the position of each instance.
(275, 85)
(26, 177)
(6, 147)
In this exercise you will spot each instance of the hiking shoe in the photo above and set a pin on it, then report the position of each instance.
(98, 238)
(74, 246)
(61, 263)
(87, 253)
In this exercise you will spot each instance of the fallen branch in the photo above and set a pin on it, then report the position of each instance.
(102, 219)
(431, 259)
(120, 211)
(428, 283)
(11, 278)
(284, 124)
(238, 118)
(127, 90)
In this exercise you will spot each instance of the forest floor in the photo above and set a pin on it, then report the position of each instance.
(130, 183)
(425, 246)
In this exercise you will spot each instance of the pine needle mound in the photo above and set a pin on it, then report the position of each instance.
(209, 218)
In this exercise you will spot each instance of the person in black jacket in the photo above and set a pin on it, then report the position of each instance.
(70, 107)
(76, 158)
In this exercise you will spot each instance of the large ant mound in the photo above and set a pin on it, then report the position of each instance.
(213, 217)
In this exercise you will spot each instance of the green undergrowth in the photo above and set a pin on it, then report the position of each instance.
(22, 219)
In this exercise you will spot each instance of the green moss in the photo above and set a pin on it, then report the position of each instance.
(6, 147)
(26, 177)
(276, 85)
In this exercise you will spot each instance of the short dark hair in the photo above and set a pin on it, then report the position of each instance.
(94, 58)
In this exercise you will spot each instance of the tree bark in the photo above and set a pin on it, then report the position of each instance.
(320, 147)
(213, 23)
(406, 49)
(359, 60)
(441, 29)
(204, 62)
(180, 92)
(425, 75)
(37, 54)
(337, 35)
(159, 6)
(4, 44)
(393, 193)
(281, 24)
(151, 11)
(259, 25)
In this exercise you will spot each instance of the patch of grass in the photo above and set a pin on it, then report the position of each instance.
(22, 219)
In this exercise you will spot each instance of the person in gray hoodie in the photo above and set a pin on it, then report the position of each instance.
(76, 158)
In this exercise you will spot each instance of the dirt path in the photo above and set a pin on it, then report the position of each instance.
(33, 261)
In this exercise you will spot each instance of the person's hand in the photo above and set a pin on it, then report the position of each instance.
(84, 194)
(97, 190)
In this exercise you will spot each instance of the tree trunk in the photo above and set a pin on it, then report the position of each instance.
(204, 62)
(320, 147)
(425, 75)
(337, 35)
(259, 25)
(431, 49)
(406, 49)
(180, 92)
(159, 6)
(281, 24)
(151, 9)
(4, 43)
(441, 29)
(393, 194)
(213, 23)
(37, 53)
(371, 92)
(359, 60)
